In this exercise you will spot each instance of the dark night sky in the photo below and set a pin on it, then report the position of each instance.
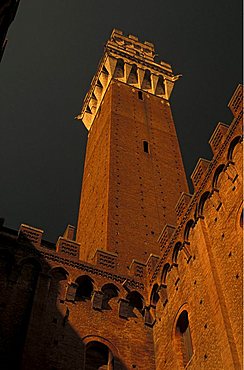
(53, 51)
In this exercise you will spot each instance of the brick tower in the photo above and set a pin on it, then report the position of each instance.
(133, 172)
(153, 281)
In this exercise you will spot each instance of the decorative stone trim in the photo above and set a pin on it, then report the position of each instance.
(199, 171)
(213, 164)
(129, 61)
(68, 247)
(30, 234)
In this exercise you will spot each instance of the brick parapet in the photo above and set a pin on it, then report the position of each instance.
(235, 128)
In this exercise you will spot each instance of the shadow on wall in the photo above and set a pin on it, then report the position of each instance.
(34, 320)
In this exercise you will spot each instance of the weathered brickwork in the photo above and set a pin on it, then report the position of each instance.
(209, 283)
(126, 197)
(153, 279)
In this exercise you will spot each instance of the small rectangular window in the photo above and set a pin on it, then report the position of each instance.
(146, 146)
(140, 96)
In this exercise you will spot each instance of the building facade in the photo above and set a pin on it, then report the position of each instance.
(152, 277)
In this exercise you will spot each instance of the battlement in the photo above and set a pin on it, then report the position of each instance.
(209, 178)
(30, 234)
(218, 136)
(236, 102)
(137, 269)
(105, 259)
(130, 61)
(182, 203)
(199, 170)
(165, 235)
(131, 45)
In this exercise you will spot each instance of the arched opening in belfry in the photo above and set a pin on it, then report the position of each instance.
(133, 77)
(98, 357)
(84, 289)
(109, 291)
(119, 70)
(160, 89)
(183, 338)
(146, 84)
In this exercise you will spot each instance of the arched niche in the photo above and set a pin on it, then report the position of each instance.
(109, 291)
(154, 297)
(133, 76)
(183, 341)
(202, 202)
(98, 356)
(58, 283)
(114, 361)
(146, 83)
(58, 273)
(215, 181)
(135, 303)
(237, 140)
(84, 288)
(29, 269)
(119, 69)
(175, 254)
(164, 274)
(189, 226)
(160, 89)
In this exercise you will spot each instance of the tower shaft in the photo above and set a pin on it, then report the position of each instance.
(133, 172)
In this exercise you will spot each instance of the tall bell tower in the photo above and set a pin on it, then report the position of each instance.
(133, 173)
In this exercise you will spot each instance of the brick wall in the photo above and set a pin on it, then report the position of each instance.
(127, 194)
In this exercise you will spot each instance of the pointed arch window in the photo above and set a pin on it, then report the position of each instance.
(183, 338)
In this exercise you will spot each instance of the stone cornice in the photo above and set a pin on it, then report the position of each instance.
(128, 65)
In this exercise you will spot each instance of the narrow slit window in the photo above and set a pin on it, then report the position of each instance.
(140, 96)
(145, 146)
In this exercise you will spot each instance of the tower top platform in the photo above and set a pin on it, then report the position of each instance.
(129, 61)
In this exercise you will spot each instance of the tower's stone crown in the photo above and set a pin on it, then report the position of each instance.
(130, 61)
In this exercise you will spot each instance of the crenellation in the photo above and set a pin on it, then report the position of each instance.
(69, 232)
(166, 235)
(106, 259)
(218, 136)
(137, 269)
(236, 102)
(151, 263)
(121, 53)
(182, 203)
(30, 234)
(198, 172)
(68, 247)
